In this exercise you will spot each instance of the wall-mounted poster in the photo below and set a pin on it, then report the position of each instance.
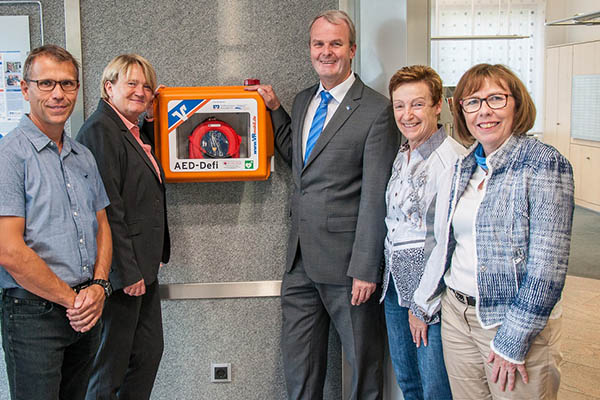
(14, 47)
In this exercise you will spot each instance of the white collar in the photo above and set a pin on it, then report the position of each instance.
(338, 92)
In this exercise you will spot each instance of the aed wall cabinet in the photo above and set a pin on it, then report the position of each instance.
(213, 133)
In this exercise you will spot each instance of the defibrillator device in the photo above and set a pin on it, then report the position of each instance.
(212, 133)
(214, 139)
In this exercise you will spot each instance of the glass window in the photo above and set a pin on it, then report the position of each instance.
(451, 58)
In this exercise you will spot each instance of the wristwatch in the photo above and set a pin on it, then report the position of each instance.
(105, 285)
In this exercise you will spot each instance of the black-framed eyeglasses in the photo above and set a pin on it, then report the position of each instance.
(494, 101)
(48, 85)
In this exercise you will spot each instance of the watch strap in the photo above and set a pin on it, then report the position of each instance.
(105, 285)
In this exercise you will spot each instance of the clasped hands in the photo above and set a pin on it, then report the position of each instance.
(89, 303)
(87, 308)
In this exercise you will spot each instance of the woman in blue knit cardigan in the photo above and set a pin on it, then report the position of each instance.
(502, 238)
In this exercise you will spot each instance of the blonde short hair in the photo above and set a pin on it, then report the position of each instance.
(120, 65)
(475, 78)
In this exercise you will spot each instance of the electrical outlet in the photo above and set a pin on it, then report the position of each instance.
(220, 372)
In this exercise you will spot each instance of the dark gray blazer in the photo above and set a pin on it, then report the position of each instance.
(137, 212)
(338, 198)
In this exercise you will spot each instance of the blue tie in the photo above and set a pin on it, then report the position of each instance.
(317, 123)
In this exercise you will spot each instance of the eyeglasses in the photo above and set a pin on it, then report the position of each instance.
(494, 101)
(48, 85)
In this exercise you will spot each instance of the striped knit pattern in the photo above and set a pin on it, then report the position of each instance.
(523, 234)
(317, 123)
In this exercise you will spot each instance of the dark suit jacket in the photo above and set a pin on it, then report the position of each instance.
(338, 198)
(137, 212)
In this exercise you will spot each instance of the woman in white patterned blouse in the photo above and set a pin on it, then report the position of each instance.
(415, 347)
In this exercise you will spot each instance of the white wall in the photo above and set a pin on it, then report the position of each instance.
(391, 34)
(559, 9)
(382, 41)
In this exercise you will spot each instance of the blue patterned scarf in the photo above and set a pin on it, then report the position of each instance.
(480, 157)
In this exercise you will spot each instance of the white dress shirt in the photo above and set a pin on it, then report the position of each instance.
(338, 93)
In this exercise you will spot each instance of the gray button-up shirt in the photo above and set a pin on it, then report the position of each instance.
(57, 194)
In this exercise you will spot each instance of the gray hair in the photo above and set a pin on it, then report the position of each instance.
(337, 17)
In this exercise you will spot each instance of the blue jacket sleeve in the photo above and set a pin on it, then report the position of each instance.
(550, 204)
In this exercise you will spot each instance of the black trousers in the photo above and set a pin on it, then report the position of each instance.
(126, 364)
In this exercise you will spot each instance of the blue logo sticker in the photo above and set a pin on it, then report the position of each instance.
(182, 110)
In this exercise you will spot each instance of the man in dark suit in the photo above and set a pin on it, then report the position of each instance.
(132, 337)
(340, 141)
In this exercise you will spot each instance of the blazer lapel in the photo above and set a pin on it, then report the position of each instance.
(140, 151)
(299, 127)
(348, 105)
(129, 137)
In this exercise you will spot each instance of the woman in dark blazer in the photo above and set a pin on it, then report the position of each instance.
(132, 338)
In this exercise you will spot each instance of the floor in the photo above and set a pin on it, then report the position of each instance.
(581, 340)
(581, 301)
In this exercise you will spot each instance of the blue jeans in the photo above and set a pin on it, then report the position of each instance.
(45, 358)
(420, 372)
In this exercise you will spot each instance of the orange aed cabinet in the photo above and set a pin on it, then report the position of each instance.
(213, 133)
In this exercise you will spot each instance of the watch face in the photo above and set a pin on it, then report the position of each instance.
(214, 144)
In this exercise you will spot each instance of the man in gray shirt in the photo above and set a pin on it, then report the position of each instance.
(55, 243)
